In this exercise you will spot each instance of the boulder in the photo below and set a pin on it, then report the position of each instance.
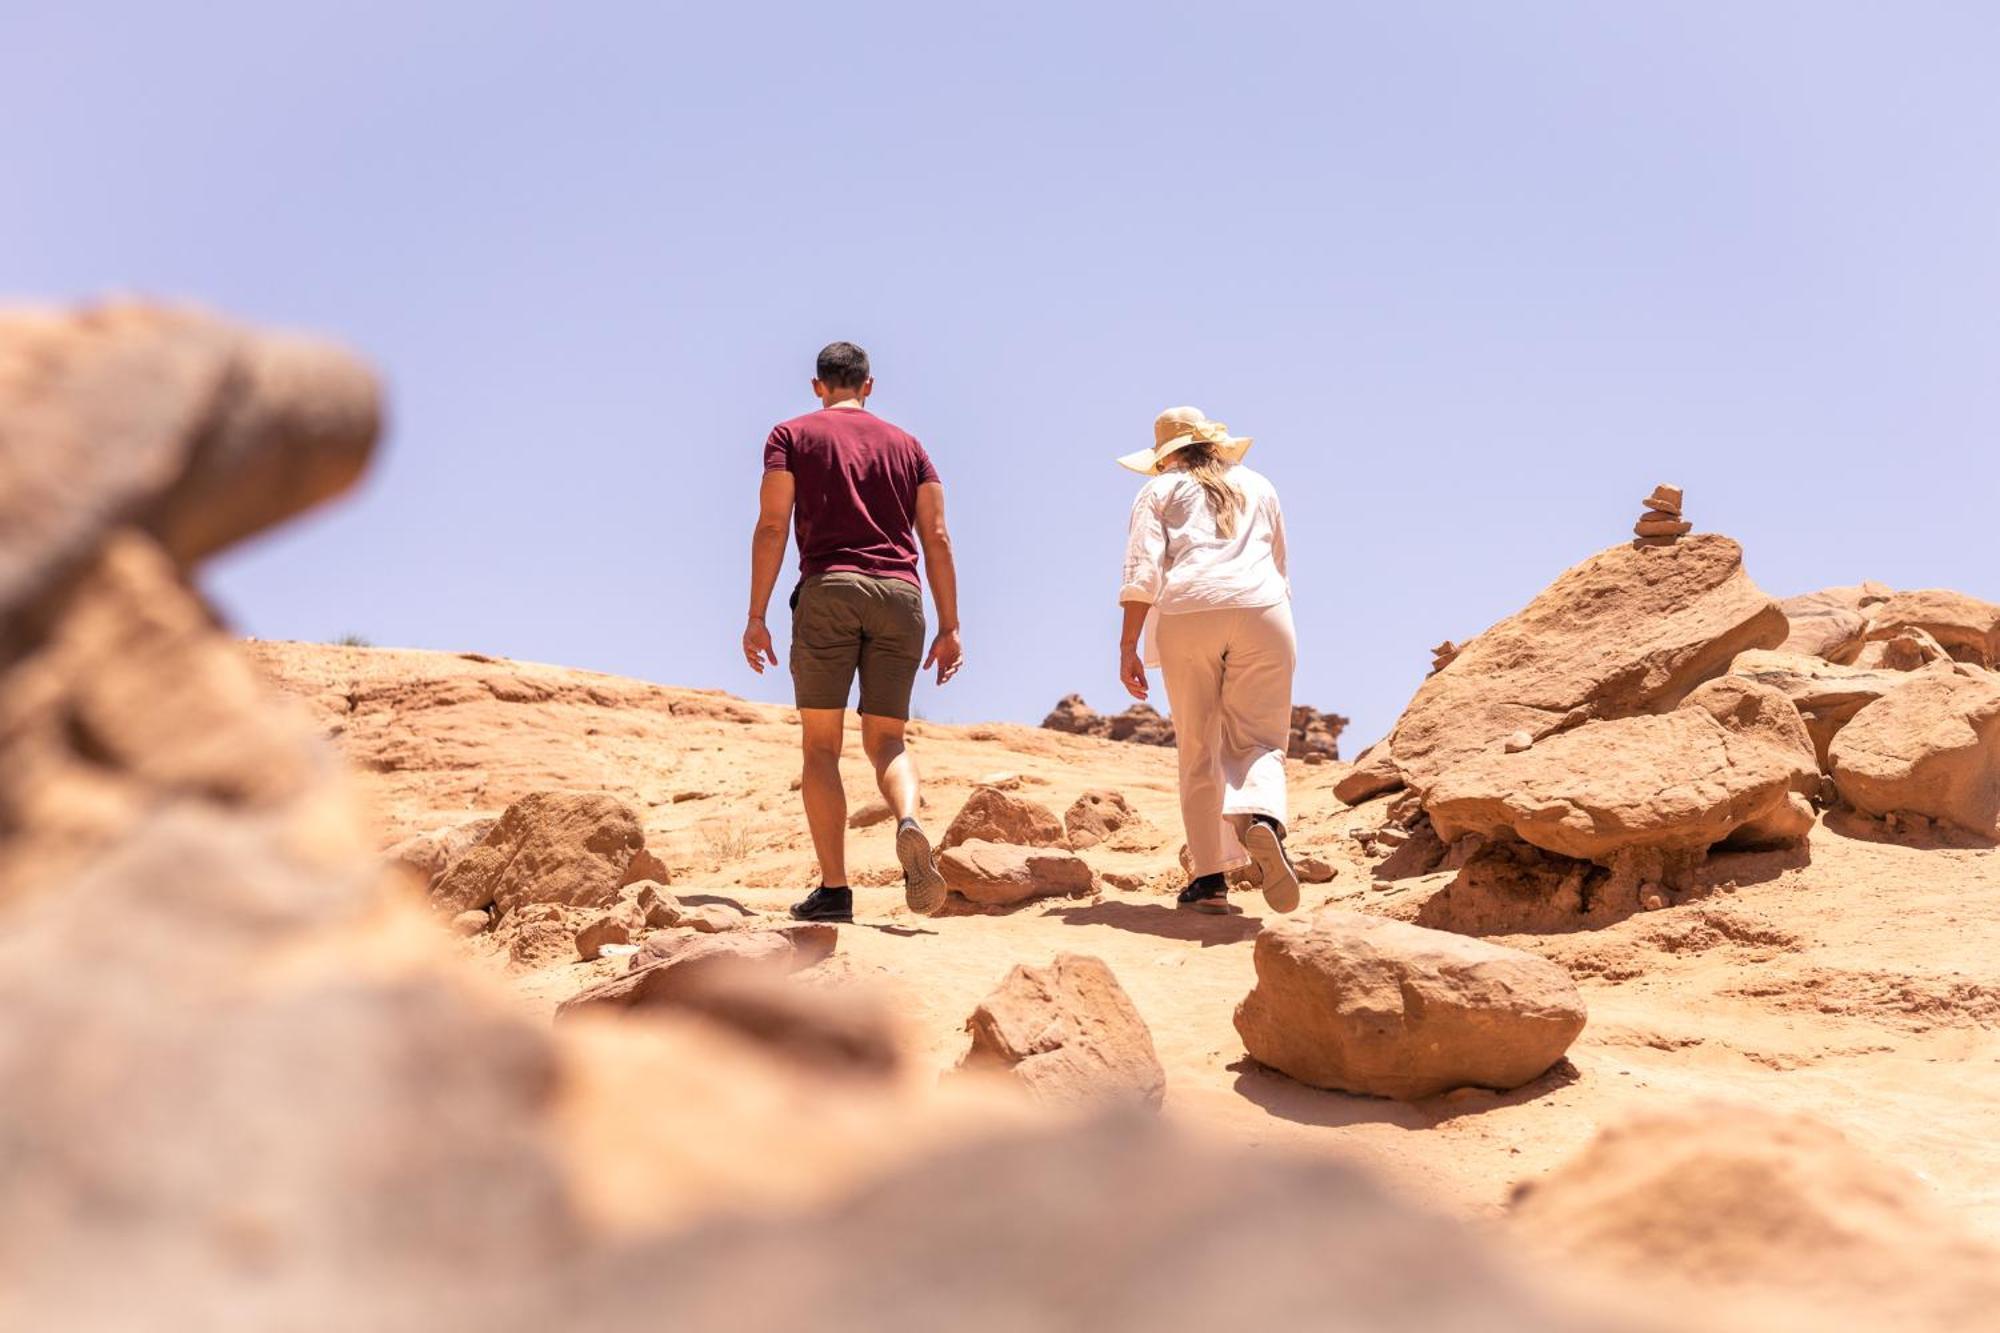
(1909, 649)
(1069, 1034)
(1095, 816)
(1136, 1225)
(623, 923)
(427, 855)
(1967, 627)
(1743, 1200)
(1374, 774)
(1931, 748)
(1360, 1003)
(1826, 694)
(1673, 783)
(996, 874)
(1830, 623)
(666, 965)
(1315, 870)
(1628, 632)
(471, 923)
(1764, 715)
(847, 1028)
(990, 815)
(573, 848)
(172, 421)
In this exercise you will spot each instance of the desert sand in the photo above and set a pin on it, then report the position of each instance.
(1853, 980)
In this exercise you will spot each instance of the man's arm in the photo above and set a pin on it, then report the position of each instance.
(939, 571)
(767, 555)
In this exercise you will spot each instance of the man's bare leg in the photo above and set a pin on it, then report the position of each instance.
(895, 766)
(896, 776)
(821, 732)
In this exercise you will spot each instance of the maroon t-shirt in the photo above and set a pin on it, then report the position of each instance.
(856, 479)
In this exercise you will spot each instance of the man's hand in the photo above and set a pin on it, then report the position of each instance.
(946, 655)
(757, 645)
(1132, 671)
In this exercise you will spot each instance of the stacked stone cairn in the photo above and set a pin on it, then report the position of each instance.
(1442, 655)
(1660, 522)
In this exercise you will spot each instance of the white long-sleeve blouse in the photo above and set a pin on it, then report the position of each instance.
(1177, 561)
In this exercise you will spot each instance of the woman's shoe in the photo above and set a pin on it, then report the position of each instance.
(1209, 894)
(1267, 849)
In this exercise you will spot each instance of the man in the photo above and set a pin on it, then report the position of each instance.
(864, 497)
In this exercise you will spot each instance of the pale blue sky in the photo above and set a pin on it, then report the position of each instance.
(1476, 275)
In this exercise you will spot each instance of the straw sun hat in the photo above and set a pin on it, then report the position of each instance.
(1177, 428)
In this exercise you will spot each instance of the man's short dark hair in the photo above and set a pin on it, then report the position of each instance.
(842, 366)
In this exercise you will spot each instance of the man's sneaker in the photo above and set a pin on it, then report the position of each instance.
(824, 904)
(1267, 849)
(923, 886)
(1209, 894)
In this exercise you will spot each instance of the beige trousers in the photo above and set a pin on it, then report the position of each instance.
(1229, 683)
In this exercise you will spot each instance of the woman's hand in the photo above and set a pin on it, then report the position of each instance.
(1132, 671)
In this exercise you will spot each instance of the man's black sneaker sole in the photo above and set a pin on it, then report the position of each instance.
(923, 886)
(833, 918)
(1281, 882)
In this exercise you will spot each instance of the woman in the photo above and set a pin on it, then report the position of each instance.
(1205, 573)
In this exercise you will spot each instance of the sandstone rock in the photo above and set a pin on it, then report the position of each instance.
(470, 923)
(575, 848)
(1001, 781)
(1665, 498)
(1518, 742)
(173, 421)
(1908, 649)
(1364, 1004)
(660, 908)
(1678, 782)
(1662, 527)
(1930, 748)
(1968, 628)
(1315, 735)
(667, 967)
(844, 1029)
(1140, 724)
(1827, 695)
(998, 816)
(1374, 774)
(999, 874)
(1314, 870)
(1763, 714)
(537, 936)
(124, 698)
(1512, 888)
(1095, 816)
(1827, 624)
(622, 924)
(645, 868)
(712, 918)
(1738, 1198)
(1068, 1033)
(1136, 1227)
(1626, 632)
(426, 855)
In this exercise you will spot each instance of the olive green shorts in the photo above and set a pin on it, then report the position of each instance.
(844, 623)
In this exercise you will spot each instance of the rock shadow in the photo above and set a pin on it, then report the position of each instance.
(1166, 922)
(1303, 1104)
